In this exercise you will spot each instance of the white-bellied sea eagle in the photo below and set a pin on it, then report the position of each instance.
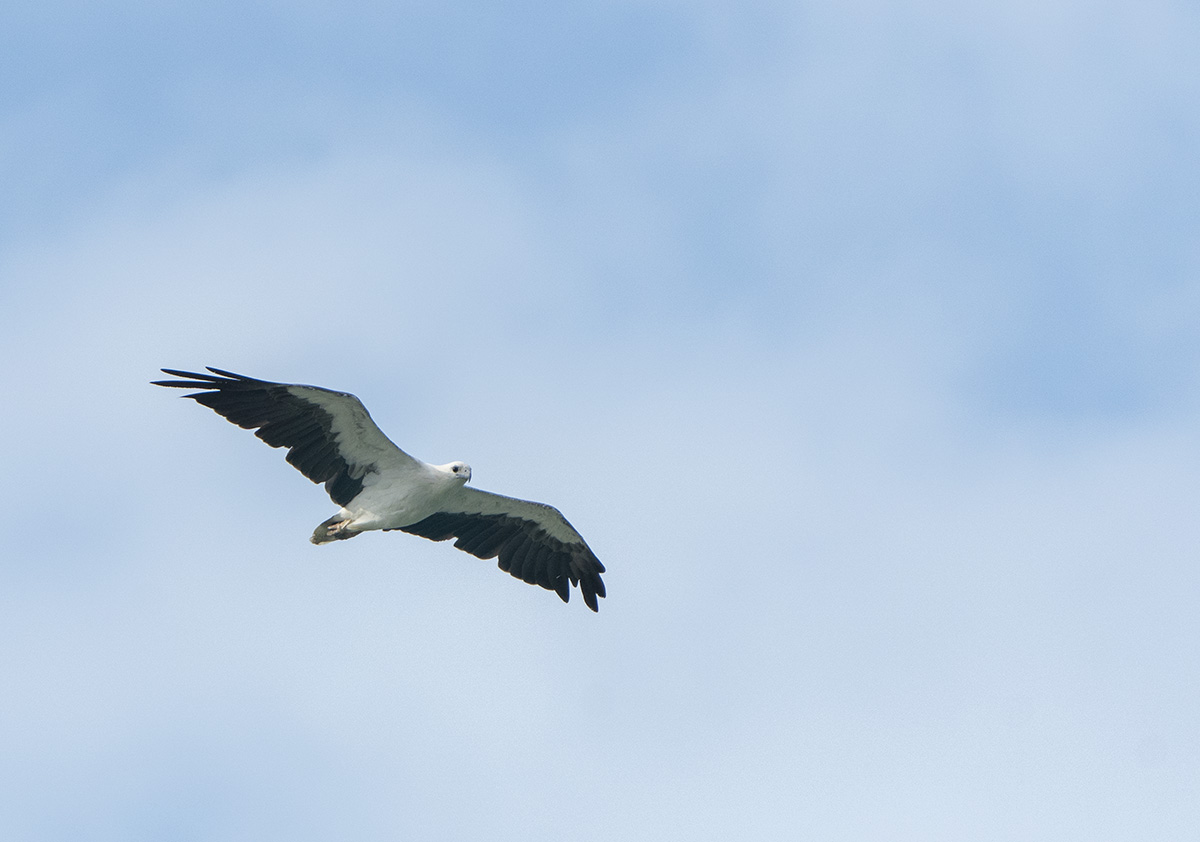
(331, 438)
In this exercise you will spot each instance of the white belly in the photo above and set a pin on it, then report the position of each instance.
(394, 499)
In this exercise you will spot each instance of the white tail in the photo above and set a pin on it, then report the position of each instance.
(333, 529)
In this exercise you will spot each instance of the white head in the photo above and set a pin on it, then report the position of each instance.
(461, 471)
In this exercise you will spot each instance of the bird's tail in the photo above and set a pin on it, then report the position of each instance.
(334, 529)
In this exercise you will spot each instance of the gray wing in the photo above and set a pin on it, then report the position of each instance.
(329, 435)
(533, 541)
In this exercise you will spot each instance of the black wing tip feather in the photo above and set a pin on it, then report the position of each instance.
(218, 379)
(591, 585)
(229, 375)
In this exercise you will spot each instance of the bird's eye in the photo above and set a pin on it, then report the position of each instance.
(455, 469)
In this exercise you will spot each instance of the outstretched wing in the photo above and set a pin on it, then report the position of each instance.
(534, 541)
(329, 435)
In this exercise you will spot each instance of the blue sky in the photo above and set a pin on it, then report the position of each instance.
(860, 340)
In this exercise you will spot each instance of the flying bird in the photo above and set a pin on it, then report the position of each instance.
(331, 438)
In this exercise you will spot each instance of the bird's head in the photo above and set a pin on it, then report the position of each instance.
(461, 471)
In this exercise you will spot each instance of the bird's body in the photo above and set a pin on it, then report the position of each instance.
(393, 497)
(331, 439)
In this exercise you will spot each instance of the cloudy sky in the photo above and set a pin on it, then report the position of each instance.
(861, 340)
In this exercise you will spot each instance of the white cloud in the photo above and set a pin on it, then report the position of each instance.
(845, 599)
